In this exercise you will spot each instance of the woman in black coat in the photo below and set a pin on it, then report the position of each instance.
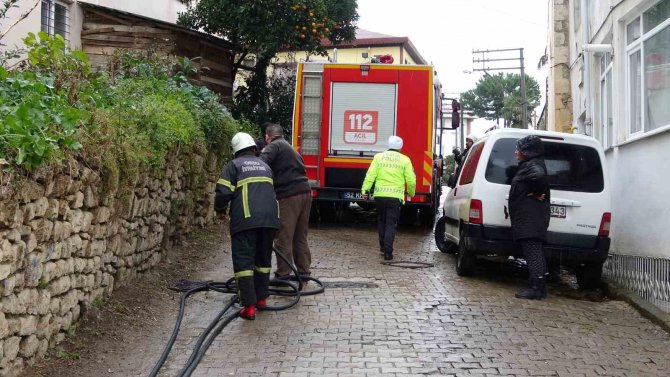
(529, 198)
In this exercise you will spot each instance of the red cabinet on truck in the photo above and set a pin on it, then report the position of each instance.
(344, 114)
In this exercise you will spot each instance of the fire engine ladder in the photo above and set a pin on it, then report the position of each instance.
(310, 130)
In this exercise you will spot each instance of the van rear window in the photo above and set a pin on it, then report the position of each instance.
(569, 167)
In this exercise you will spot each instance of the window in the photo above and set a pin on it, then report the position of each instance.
(569, 167)
(470, 167)
(606, 119)
(648, 73)
(55, 18)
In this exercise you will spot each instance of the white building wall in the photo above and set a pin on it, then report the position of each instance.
(637, 165)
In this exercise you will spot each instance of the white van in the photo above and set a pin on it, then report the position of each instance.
(475, 219)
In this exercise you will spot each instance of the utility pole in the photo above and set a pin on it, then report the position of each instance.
(485, 67)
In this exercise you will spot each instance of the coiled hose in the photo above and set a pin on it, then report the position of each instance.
(285, 287)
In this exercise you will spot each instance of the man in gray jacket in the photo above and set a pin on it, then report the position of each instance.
(295, 200)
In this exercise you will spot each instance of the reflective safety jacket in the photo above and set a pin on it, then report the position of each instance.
(390, 171)
(246, 182)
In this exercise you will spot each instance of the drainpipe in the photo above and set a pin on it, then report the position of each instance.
(586, 58)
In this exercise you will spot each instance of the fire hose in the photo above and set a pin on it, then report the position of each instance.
(286, 287)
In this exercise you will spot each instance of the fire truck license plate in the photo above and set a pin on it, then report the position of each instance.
(557, 211)
(352, 195)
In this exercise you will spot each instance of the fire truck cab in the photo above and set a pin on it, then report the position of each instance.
(344, 114)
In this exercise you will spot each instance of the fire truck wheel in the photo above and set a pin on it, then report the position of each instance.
(427, 216)
(326, 211)
(407, 216)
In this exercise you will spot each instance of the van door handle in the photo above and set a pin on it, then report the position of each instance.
(566, 202)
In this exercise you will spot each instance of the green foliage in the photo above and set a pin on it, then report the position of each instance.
(264, 27)
(499, 96)
(38, 120)
(98, 302)
(276, 105)
(123, 120)
(64, 355)
(449, 164)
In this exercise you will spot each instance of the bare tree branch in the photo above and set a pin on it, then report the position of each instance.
(21, 18)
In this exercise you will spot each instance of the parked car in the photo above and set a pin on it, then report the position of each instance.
(475, 217)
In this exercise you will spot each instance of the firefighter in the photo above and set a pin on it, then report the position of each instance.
(246, 182)
(392, 174)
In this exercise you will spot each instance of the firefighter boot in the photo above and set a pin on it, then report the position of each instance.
(536, 290)
(248, 312)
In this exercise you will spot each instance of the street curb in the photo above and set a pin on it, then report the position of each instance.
(647, 309)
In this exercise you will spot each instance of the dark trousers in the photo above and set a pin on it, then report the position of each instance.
(388, 214)
(252, 262)
(292, 234)
(533, 252)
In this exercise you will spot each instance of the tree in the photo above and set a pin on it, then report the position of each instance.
(261, 28)
(499, 96)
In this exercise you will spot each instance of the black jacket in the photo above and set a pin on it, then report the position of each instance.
(530, 216)
(288, 168)
(247, 183)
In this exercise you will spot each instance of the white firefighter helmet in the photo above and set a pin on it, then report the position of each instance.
(242, 140)
(395, 142)
(472, 137)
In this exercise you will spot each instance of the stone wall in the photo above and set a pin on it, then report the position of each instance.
(66, 241)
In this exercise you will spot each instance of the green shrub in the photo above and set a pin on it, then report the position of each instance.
(122, 120)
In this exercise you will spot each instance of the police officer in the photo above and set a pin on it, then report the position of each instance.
(392, 174)
(246, 182)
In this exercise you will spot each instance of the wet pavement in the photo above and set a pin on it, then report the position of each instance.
(380, 320)
(384, 320)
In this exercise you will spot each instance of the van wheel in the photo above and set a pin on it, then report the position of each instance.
(441, 241)
(465, 263)
(588, 275)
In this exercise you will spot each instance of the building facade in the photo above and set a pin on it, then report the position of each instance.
(102, 27)
(366, 46)
(66, 17)
(618, 60)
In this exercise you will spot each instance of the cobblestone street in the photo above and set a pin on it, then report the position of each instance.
(392, 322)
(421, 322)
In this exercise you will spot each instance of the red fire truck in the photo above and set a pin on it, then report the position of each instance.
(344, 114)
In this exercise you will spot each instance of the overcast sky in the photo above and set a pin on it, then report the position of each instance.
(446, 31)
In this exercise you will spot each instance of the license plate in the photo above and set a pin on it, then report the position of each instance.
(352, 195)
(557, 211)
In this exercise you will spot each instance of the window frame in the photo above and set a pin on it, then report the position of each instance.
(606, 100)
(51, 18)
(471, 163)
(632, 48)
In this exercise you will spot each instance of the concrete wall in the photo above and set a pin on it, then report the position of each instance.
(559, 109)
(30, 24)
(637, 164)
(640, 209)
